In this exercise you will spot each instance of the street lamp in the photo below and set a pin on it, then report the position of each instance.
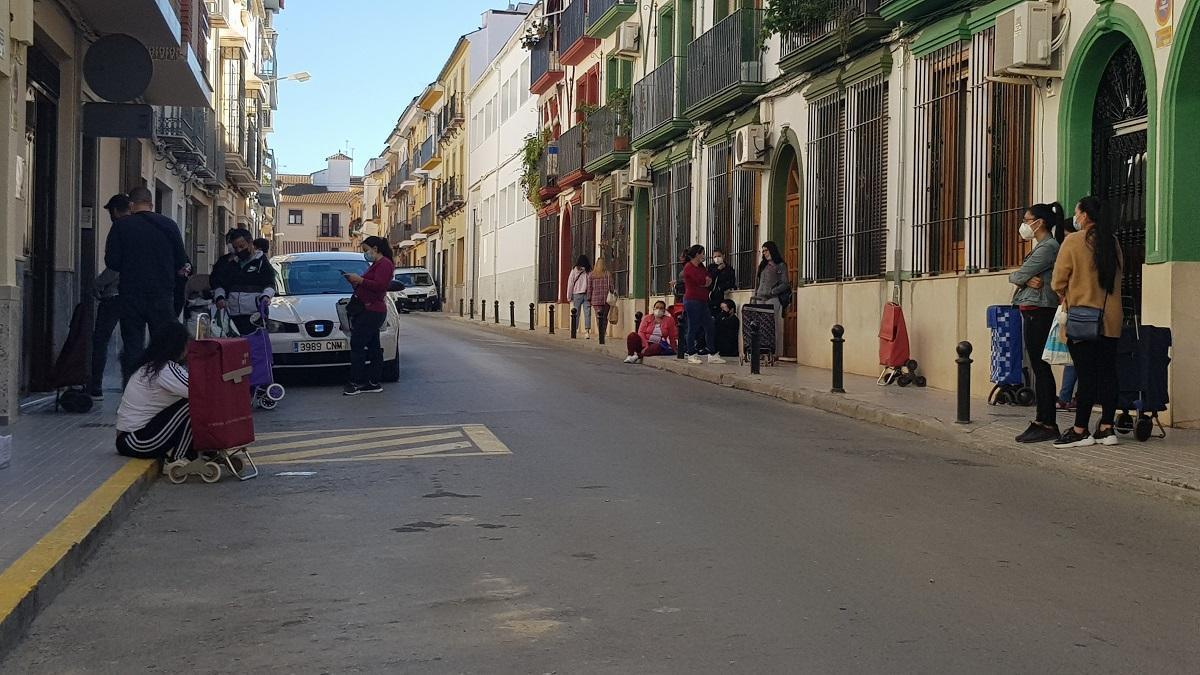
(302, 76)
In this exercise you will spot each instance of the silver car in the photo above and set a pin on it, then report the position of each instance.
(419, 290)
(308, 323)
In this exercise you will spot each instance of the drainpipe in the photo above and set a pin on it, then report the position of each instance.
(901, 221)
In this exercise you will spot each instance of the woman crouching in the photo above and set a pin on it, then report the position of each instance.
(153, 421)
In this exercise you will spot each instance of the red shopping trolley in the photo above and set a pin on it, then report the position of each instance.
(894, 354)
(222, 424)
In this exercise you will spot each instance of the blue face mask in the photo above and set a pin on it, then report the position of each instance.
(367, 256)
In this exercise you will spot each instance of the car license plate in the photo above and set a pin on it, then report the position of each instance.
(318, 346)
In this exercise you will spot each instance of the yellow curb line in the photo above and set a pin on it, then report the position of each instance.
(23, 576)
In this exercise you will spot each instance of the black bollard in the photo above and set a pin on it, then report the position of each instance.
(637, 320)
(532, 315)
(838, 342)
(682, 327)
(551, 310)
(512, 314)
(460, 308)
(602, 318)
(964, 382)
(472, 306)
(496, 314)
(483, 310)
(755, 357)
(574, 322)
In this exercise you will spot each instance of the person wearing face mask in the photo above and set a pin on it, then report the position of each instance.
(1042, 225)
(728, 329)
(370, 292)
(656, 335)
(243, 284)
(724, 280)
(695, 306)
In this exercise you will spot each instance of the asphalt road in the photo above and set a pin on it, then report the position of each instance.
(643, 523)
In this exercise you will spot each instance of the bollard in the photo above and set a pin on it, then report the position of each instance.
(532, 315)
(551, 310)
(602, 317)
(460, 308)
(496, 313)
(574, 322)
(682, 327)
(472, 306)
(512, 314)
(637, 320)
(483, 310)
(838, 342)
(755, 363)
(964, 382)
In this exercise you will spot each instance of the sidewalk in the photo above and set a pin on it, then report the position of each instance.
(62, 491)
(1167, 467)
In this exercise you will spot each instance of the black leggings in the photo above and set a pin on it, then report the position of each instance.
(1096, 366)
(1036, 330)
(168, 435)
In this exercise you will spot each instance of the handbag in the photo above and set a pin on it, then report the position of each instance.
(613, 313)
(1055, 352)
(1086, 324)
(355, 307)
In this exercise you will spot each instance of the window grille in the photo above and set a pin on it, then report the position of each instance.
(614, 240)
(583, 233)
(548, 258)
(670, 223)
(732, 211)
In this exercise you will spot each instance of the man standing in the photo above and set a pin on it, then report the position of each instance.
(239, 287)
(108, 311)
(146, 249)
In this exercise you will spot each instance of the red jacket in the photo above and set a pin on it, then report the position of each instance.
(694, 281)
(373, 289)
(669, 331)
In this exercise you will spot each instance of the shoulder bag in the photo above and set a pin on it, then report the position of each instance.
(1086, 324)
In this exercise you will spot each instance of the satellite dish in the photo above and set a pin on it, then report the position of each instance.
(118, 68)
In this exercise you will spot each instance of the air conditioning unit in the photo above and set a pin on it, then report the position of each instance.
(1024, 35)
(750, 146)
(639, 169)
(627, 40)
(622, 191)
(591, 196)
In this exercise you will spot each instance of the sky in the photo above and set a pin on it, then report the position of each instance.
(368, 59)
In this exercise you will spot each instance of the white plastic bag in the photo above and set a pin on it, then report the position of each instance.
(1056, 353)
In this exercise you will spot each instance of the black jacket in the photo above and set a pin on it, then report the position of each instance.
(146, 249)
(723, 280)
(241, 283)
(727, 334)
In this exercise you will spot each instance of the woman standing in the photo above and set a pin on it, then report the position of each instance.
(774, 287)
(577, 289)
(657, 334)
(696, 283)
(598, 286)
(154, 421)
(1088, 275)
(370, 291)
(1038, 303)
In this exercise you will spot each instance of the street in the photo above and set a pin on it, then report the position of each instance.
(514, 508)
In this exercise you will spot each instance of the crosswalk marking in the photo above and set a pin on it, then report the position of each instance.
(342, 449)
(291, 445)
(383, 443)
(440, 449)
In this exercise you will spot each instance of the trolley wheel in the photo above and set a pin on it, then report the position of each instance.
(1026, 397)
(1145, 426)
(1124, 423)
(920, 381)
(177, 474)
(267, 403)
(1003, 397)
(211, 472)
(904, 380)
(276, 392)
(911, 364)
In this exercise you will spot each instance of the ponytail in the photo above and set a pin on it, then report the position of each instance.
(1102, 238)
(1054, 216)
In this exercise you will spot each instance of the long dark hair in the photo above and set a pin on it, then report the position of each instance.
(1103, 240)
(582, 261)
(1054, 216)
(166, 344)
(379, 244)
(773, 251)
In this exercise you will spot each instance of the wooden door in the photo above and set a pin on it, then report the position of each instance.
(791, 255)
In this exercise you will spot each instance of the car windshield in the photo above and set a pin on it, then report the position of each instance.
(318, 277)
(414, 278)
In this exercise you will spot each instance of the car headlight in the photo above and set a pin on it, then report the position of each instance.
(274, 326)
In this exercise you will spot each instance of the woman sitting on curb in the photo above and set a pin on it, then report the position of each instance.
(153, 421)
(657, 336)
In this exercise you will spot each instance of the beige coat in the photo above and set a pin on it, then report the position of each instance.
(1078, 281)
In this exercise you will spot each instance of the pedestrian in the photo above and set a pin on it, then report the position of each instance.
(728, 328)
(724, 280)
(1087, 277)
(599, 283)
(263, 245)
(242, 286)
(773, 287)
(146, 250)
(108, 306)
(368, 311)
(1066, 394)
(154, 420)
(695, 305)
(657, 335)
(577, 290)
(1038, 304)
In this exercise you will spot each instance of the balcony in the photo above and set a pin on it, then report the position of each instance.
(242, 157)
(575, 44)
(431, 155)
(548, 173)
(604, 16)
(450, 198)
(658, 106)
(907, 10)
(853, 23)
(212, 171)
(724, 66)
(398, 180)
(220, 12)
(267, 193)
(544, 67)
(181, 132)
(450, 118)
(572, 156)
(425, 220)
(607, 138)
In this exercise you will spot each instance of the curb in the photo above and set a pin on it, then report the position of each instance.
(968, 436)
(32, 581)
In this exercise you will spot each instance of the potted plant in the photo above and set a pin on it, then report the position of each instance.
(619, 103)
(534, 33)
(532, 150)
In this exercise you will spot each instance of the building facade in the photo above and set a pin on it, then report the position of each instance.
(317, 211)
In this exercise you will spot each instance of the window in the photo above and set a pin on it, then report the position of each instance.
(583, 233)
(587, 92)
(295, 217)
(847, 184)
(732, 211)
(974, 168)
(331, 225)
(548, 258)
(460, 261)
(505, 108)
(614, 240)
(670, 223)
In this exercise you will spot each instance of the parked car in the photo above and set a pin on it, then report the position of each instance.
(419, 290)
(307, 319)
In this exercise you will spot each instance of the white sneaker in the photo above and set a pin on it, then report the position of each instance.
(715, 358)
(694, 360)
(587, 334)
(632, 358)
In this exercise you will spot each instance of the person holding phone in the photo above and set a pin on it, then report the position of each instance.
(368, 311)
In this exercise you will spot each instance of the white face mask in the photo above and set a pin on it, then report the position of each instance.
(718, 259)
(660, 313)
(1027, 231)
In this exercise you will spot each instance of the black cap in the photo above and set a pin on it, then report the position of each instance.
(117, 203)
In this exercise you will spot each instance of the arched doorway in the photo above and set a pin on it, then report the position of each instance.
(1120, 126)
(785, 198)
(1180, 239)
(565, 261)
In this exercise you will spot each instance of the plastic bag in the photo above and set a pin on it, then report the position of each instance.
(1056, 352)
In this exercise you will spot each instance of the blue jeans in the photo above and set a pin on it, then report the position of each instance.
(1068, 385)
(699, 318)
(583, 310)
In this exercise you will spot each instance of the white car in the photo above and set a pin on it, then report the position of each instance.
(307, 319)
(419, 290)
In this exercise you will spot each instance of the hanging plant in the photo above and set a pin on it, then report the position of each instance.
(531, 153)
(534, 33)
(796, 16)
(619, 101)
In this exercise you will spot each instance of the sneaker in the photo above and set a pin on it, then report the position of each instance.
(96, 394)
(1107, 436)
(370, 388)
(1024, 436)
(715, 358)
(1065, 405)
(694, 360)
(1038, 433)
(1073, 439)
(587, 334)
(632, 358)
(350, 390)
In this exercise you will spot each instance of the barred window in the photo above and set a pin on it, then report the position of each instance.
(614, 240)
(548, 258)
(847, 184)
(732, 211)
(974, 162)
(670, 223)
(583, 233)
